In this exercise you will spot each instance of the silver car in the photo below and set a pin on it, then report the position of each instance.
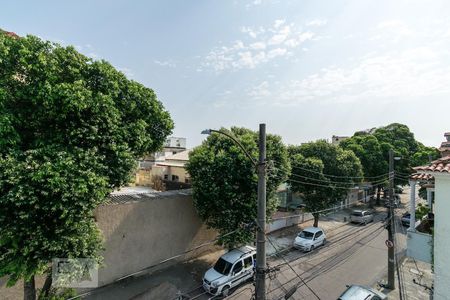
(361, 216)
(359, 292)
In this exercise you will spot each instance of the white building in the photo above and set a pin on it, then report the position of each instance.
(421, 245)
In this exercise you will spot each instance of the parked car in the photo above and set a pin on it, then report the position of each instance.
(359, 292)
(361, 216)
(310, 238)
(230, 270)
(406, 217)
(398, 189)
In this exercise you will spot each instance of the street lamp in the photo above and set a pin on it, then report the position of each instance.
(260, 282)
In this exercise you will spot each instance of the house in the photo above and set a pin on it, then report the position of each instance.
(144, 175)
(335, 140)
(421, 244)
(172, 171)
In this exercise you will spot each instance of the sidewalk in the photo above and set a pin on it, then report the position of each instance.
(416, 278)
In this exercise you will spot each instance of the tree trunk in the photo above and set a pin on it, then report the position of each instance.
(316, 220)
(29, 289)
(47, 285)
(378, 195)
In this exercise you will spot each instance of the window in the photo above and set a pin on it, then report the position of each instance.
(175, 178)
(222, 266)
(166, 177)
(248, 262)
(318, 234)
(306, 235)
(237, 267)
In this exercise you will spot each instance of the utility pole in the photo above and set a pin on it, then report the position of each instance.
(260, 284)
(390, 227)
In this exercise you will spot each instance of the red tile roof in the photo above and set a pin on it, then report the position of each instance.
(422, 177)
(441, 165)
(9, 33)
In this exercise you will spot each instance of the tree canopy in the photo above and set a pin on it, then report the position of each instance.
(323, 173)
(71, 129)
(224, 181)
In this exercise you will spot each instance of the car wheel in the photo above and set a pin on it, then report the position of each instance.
(311, 248)
(226, 291)
(324, 241)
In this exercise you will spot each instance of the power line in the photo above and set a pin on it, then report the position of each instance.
(337, 176)
(275, 247)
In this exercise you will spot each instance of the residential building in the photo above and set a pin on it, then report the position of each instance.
(145, 173)
(428, 239)
(173, 145)
(172, 171)
(335, 140)
(445, 146)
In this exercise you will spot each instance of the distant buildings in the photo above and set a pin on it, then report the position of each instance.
(165, 169)
(445, 146)
(335, 140)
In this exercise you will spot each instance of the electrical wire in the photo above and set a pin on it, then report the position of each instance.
(293, 270)
(337, 176)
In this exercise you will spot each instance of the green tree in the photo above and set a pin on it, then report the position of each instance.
(224, 181)
(424, 155)
(323, 173)
(371, 154)
(70, 131)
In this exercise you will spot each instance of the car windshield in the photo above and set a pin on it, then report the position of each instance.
(357, 213)
(306, 235)
(222, 266)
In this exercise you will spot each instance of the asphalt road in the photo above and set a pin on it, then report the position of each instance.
(354, 254)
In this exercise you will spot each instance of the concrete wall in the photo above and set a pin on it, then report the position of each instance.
(419, 246)
(442, 237)
(148, 230)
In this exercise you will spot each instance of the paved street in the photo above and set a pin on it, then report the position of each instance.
(353, 254)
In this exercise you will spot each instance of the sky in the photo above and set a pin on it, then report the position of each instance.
(309, 69)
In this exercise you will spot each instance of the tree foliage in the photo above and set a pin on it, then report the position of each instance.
(323, 173)
(224, 181)
(70, 131)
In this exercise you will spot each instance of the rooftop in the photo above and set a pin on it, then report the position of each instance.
(441, 165)
(235, 254)
(182, 156)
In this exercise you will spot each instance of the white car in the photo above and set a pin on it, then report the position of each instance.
(232, 269)
(310, 238)
(359, 292)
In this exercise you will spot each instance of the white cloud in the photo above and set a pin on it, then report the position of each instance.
(317, 22)
(399, 76)
(261, 45)
(276, 52)
(165, 63)
(258, 45)
(280, 36)
(278, 23)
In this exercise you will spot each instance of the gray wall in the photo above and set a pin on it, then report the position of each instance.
(144, 231)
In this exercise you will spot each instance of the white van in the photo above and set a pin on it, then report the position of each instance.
(232, 269)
